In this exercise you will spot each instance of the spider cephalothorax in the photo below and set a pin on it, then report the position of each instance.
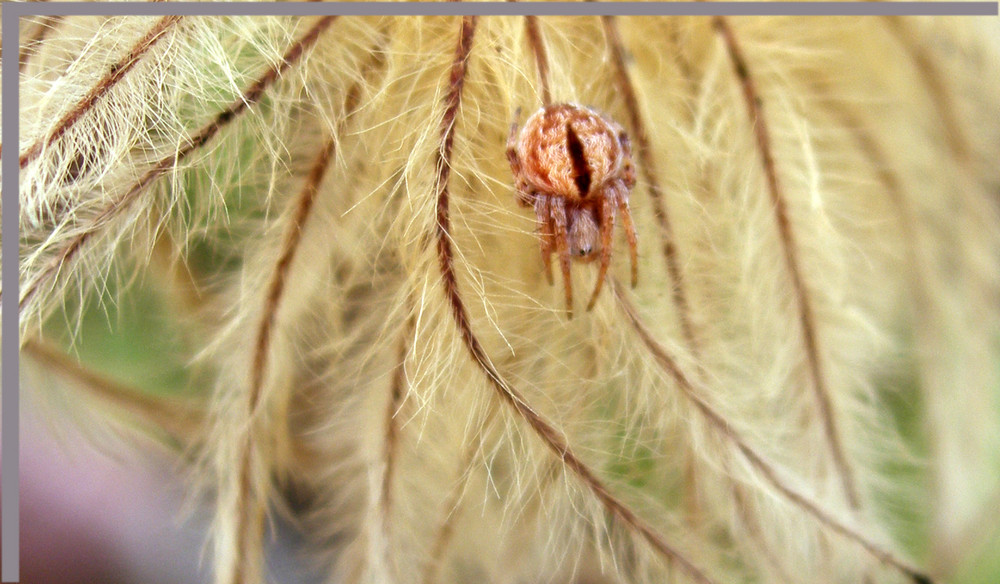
(574, 166)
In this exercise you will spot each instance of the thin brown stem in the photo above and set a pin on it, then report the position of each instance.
(508, 394)
(290, 243)
(443, 535)
(180, 420)
(249, 528)
(537, 45)
(110, 79)
(390, 447)
(248, 521)
(644, 150)
(276, 286)
(766, 470)
(122, 204)
(627, 89)
(919, 280)
(807, 321)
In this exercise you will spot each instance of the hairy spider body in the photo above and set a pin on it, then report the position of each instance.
(574, 167)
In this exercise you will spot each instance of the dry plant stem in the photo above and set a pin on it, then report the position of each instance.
(537, 45)
(961, 149)
(397, 393)
(443, 535)
(545, 431)
(276, 286)
(645, 154)
(451, 508)
(253, 94)
(180, 421)
(252, 509)
(768, 472)
(755, 110)
(644, 151)
(117, 72)
(259, 364)
(918, 276)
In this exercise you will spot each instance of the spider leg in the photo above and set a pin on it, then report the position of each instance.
(523, 196)
(544, 214)
(633, 242)
(607, 218)
(558, 208)
(629, 172)
(512, 137)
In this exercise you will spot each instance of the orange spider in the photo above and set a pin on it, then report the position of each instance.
(574, 166)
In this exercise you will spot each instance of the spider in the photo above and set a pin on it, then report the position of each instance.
(574, 166)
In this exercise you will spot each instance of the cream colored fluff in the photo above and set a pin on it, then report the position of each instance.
(884, 141)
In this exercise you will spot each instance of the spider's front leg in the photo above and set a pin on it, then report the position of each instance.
(607, 222)
(543, 211)
(619, 193)
(561, 235)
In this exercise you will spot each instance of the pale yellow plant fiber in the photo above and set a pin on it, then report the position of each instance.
(301, 248)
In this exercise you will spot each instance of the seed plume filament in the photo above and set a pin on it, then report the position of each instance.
(114, 75)
(644, 151)
(770, 473)
(545, 431)
(807, 321)
(124, 203)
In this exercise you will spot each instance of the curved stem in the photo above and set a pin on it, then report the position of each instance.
(122, 204)
(180, 420)
(757, 460)
(390, 444)
(508, 394)
(114, 75)
(807, 321)
(644, 150)
(537, 46)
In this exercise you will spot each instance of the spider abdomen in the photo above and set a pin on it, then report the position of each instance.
(570, 151)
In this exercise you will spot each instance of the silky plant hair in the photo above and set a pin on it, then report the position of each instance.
(801, 387)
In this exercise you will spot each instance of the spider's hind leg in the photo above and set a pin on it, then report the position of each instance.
(630, 235)
(607, 221)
